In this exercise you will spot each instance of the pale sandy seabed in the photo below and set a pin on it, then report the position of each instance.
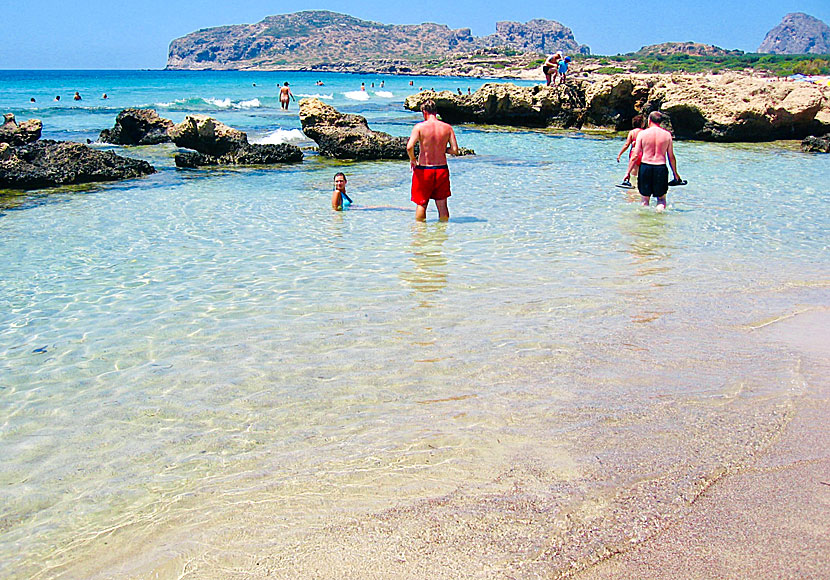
(549, 515)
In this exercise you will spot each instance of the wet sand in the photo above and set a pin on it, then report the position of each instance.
(770, 520)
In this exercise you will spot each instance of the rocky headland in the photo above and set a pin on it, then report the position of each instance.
(798, 33)
(322, 40)
(728, 107)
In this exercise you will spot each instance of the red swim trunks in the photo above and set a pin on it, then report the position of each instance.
(430, 182)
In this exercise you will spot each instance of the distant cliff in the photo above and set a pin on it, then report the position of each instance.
(327, 40)
(690, 48)
(798, 33)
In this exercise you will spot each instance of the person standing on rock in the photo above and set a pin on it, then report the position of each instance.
(430, 173)
(285, 95)
(651, 149)
(550, 67)
(563, 70)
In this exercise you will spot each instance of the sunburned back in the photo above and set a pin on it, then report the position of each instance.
(653, 144)
(434, 135)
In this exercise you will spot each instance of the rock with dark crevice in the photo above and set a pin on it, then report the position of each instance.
(138, 127)
(16, 134)
(816, 144)
(50, 163)
(207, 136)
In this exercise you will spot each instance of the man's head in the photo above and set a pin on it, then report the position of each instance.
(428, 107)
(340, 181)
(656, 118)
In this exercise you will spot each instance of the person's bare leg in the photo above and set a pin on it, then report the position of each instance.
(661, 203)
(443, 210)
(421, 212)
(645, 199)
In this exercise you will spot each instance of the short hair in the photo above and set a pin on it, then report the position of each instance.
(429, 107)
(656, 117)
(340, 174)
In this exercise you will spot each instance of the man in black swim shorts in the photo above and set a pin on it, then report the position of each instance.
(652, 147)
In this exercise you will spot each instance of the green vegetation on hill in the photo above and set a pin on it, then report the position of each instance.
(777, 64)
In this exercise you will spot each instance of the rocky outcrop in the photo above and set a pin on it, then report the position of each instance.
(691, 48)
(729, 107)
(51, 163)
(798, 33)
(138, 127)
(207, 135)
(245, 155)
(814, 144)
(15, 133)
(345, 136)
(332, 41)
(217, 144)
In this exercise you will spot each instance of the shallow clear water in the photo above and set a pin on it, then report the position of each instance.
(189, 354)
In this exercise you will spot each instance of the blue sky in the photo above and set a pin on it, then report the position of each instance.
(123, 34)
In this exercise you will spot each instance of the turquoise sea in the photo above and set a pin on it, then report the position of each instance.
(207, 373)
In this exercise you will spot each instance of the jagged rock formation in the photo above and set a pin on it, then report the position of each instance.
(50, 163)
(344, 136)
(691, 48)
(245, 155)
(138, 127)
(217, 144)
(798, 33)
(728, 107)
(330, 40)
(814, 144)
(15, 133)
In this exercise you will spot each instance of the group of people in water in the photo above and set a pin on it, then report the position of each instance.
(75, 97)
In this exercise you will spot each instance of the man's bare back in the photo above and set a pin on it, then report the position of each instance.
(654, 142)
(652, 147)
(430, 174)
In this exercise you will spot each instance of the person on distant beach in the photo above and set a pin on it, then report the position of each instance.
(550, 67)
(339, 192)
(630, 140)
(459, 91)
(77, 96)
(563, 69)
(468, 91)
(285, 95)
(652, 147)
(430, 173)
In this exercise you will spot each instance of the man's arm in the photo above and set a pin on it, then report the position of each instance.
(452, 146)
(410, 146)
(672, 160)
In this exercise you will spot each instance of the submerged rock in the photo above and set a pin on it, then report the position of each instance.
(345, 136)
(814, 144)
(15, 133)
(246, 155)
(138, 127)
(728, 107)
(50, 163)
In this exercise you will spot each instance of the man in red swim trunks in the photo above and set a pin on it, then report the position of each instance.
(430, 173)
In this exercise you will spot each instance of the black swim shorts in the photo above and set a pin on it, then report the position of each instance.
(653, 180)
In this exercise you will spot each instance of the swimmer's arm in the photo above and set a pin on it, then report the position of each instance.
(410, 146)
(452, 146)
(336, 201)
(625, 146)
(636, 155)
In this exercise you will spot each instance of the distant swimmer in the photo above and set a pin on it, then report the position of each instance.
(411, 83)
(381, 84)
(430, 173)
(630, 140)
(652, 147)
(77, 96)
(253, 84)
(551, 66)
(362, 86)
(32, 100)
(339, 196)
(285, 95)
(104, 96)
(57, 97)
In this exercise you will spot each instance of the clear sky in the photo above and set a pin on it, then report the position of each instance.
(124, 34)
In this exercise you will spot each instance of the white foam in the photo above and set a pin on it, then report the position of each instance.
(317, 96)
(221, 103)
(292, 136)
(252, 104)
(357, 95)
(384, 94)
